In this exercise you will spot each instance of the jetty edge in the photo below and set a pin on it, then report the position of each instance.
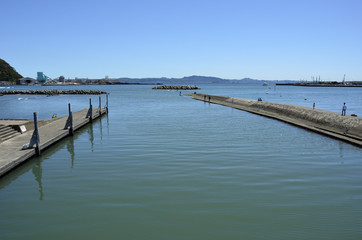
(331, 124)
(12, 154)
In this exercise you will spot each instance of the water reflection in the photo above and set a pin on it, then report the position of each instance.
(107, 123)
(70, 148)
(38, 174)
(341, 151)
(91, 136)
(100, 128)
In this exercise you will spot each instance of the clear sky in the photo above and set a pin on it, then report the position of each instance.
(234, 39)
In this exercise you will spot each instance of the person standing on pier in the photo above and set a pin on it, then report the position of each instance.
(313, 105)
(344, 109)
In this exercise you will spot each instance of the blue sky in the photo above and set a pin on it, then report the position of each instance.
(234, 39)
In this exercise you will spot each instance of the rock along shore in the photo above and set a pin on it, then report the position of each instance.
(52, 92)
(332, 124)
(176, 87)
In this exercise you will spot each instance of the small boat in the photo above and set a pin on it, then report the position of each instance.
(265, 84)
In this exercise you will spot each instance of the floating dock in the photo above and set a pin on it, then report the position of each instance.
(332, 124)
(12, 153)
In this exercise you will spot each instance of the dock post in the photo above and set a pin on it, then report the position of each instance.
(71, 132)
(107, 103)
(70, 121)
(90, 110)
(35, 139)
(100, 106)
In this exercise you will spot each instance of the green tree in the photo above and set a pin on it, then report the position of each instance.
(8, 73)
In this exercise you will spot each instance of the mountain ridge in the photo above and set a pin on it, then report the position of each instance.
(196, 79)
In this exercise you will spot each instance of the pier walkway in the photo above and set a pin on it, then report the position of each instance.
(12, 154)
(332, 124)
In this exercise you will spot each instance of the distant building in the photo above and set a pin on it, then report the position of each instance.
(61, 79)
(5, 83)
(42, 78)
(27, 81)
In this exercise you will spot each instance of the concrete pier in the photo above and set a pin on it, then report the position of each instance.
(332, 124)
(11, 152)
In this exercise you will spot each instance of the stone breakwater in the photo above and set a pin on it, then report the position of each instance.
(176, 87)
(52, 92)
(332, 124)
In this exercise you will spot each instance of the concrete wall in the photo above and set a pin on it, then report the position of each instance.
(313, 119)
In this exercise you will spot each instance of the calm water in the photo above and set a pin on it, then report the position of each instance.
(161, 166)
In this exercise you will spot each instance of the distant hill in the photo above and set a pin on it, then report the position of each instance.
(184, 80)
(195, 80)
(8, 73)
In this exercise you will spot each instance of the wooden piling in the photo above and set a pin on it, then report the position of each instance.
(90, 110)
(71, 131)
(35, 139)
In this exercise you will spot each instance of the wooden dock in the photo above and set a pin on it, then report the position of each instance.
(12, 153)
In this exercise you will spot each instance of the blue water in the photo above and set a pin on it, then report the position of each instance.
(164, 166)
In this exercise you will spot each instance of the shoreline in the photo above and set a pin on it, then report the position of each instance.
(52, 92)
(332, 124)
